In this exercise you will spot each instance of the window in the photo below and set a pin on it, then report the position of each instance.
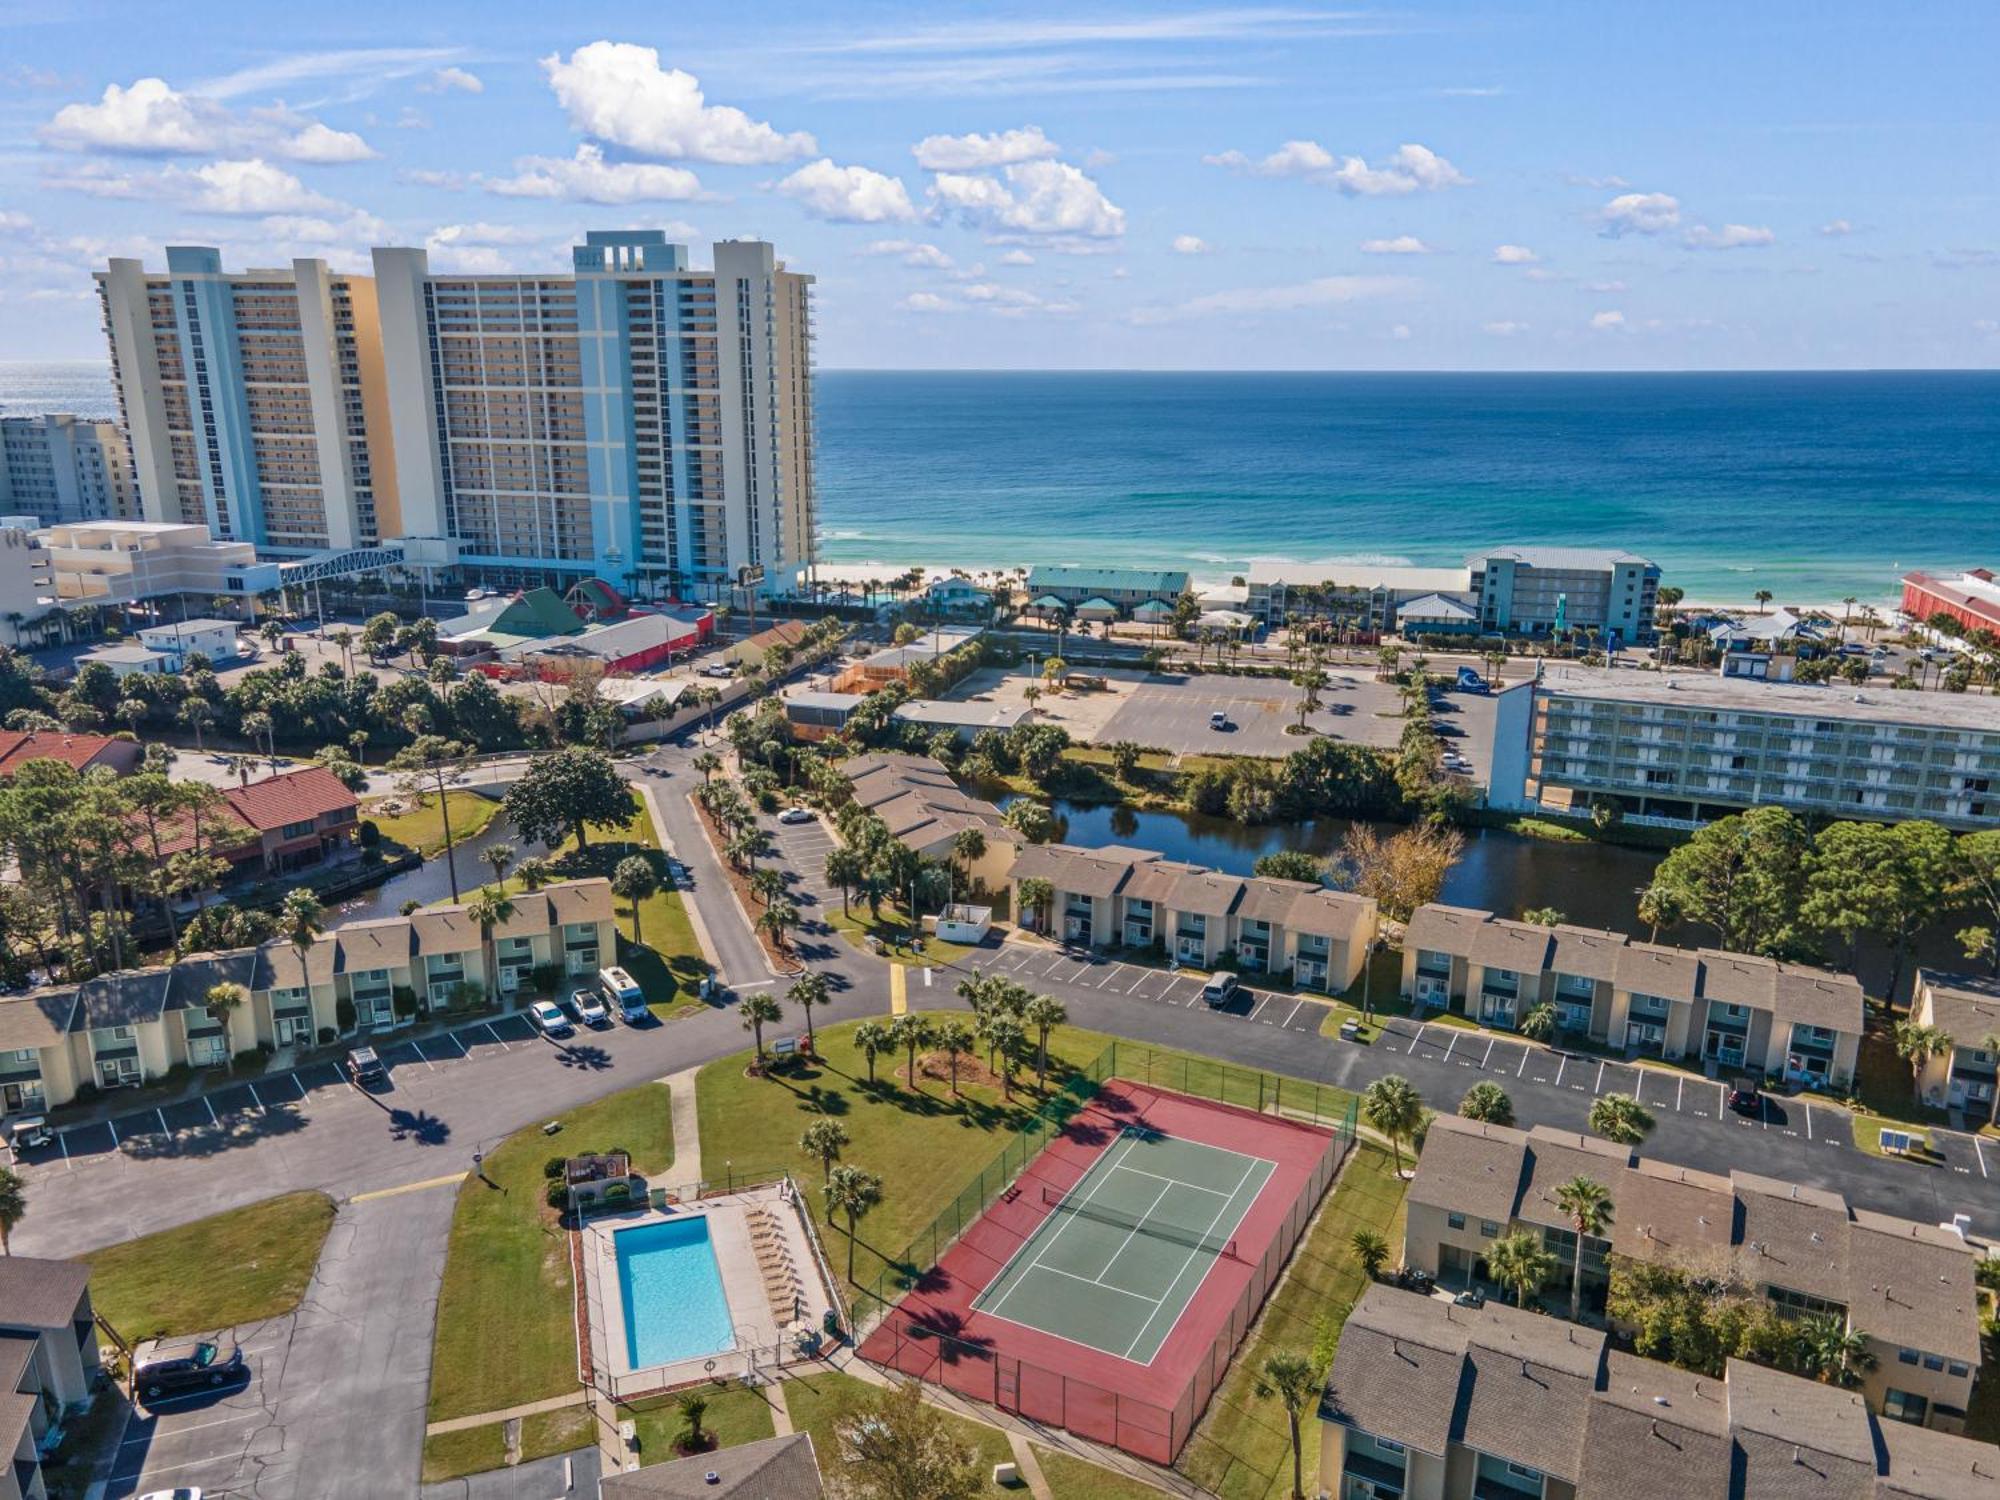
(1488, 1230)
(1958, 1370)
(1792, 1304)
(1388, 1446)
(1908, 1356)
(1933, 1361)
(25, 1054)
(1456, 1221)
(1901, 1406)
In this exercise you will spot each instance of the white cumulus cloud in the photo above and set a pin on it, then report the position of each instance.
(618, 92)
(1013, 301)
(1409, 169)
(1017, 258)
(1608, 320)
(1190, 244)
(912, 253)
(153, 118)
(588, 178)
(928, 302)
(1640, 213)
(454, 81)
(848, 195)
(1514, 255)
(1505, 328)
(1834, 228)
(966, 153)
(1037, 198)
(1402, 244)
(1729, 237)
(1606, 288)
(252, 187)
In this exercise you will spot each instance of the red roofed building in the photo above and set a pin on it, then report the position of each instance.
(84, 752)
(1972, 599)
(284, 822)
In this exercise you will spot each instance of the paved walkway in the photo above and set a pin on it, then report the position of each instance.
(781, 1413)
(526, 1409)
(1030, 1466)
(687, 1127)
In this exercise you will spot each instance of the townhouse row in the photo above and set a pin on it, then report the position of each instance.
(1135, 898)
(1730, 1011)
(1907, 1288)
(128, 1028)
(1431, 1401)
(1966, 1008)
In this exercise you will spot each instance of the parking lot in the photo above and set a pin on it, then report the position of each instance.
(801, 849)
(1173, 714)
(283, 1103)
(1033, 964)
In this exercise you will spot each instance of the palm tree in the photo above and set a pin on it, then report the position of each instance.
(1834, 1353)
(198, 714)
(1763, 598)
(1587, 1206)
(499, 857)
(1296, 1384)
(871, 1038)
(767, 884)
(491, 907)
(760, 1011)
(261, 726)
(1371, 1251)
(635, 880)
(223, 1001)
(708, 763)
(851, 1192)
(301, 919)
(956, 1038)
(1539, 1024)
(1917, 1044)
(1044, 1013)
(808, 992)
(1392, 1105)
(776, 919)
(1521, 1263)
(844, 867)
(1621, 1118)
(969, 845)
(910, 1032)
(1487, 1102)
(534, 872)
(1004, 1037)
(13, 1206)
(822, 1142)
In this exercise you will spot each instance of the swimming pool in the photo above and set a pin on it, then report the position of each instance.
(671, 1290)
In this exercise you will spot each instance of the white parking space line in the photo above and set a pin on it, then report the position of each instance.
(1294, 1015)
(154, 1437)
(1489, 1053)
(1561, 1063)
(1977, 1150)
(1417, 1040)
(1721, 1099)
(1809, 1134)
(211, 1110)
(421, 1058)
(1679, 1084)
(1116, 970)
(1598, 1086)
(162, 1114)
(1526, 1053)
(1450, 1043)
(927, 978)
(1260, 1006)
(488, 1029)
(62, 1139)
(257, 1098)
(1143, 977)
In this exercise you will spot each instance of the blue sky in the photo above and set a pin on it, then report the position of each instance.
(1470, 186)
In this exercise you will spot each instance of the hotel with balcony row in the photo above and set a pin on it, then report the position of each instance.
(631, 418)
(1687, 747)
(1729, 1011)
(133, 1026)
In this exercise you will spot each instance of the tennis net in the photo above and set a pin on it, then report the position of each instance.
(1058, 1202)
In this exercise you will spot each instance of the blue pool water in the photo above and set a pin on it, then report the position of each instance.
(671, 1288)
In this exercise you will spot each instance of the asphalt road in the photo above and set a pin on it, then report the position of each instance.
(336, 1395)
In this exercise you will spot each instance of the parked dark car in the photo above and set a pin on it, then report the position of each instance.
(366, 1069)
(1745, 1097)
(203, 1367)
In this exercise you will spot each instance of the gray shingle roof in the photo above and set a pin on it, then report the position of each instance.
(36, 1021)
(774, 1468)
(1084, 872)
(38, 1293)
(1444, 929)
(1966, 1006)
(1520, 946)
(1586, 952)
(1471, 1168)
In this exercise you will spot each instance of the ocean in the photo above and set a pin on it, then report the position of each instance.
(1814, 486)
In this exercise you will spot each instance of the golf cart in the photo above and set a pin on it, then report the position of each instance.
(25, 1132)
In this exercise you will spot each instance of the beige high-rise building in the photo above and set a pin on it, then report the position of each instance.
(632, 418)
(59, 467)
(253, 400)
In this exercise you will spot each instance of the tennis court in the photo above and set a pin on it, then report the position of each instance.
(1121, 1253)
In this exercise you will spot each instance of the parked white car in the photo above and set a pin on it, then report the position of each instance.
(589, 1008)
(550, 1018)
(796, 815)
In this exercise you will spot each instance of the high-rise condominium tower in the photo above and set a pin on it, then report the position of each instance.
(633, 419)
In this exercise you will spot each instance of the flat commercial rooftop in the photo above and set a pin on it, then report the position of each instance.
(1708, 690)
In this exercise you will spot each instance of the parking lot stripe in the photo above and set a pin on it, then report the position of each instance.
(1977, 1149)
(1260, 1006)
(1599, 1085)
(211, 1110)
(1679, 1084)
(162, 1114)
(1417, 1040)
(1294, 1015)
(487, 1027)
(421, 1058)
(256, 1098)
(1450, 1043)
(1116, 970)
(1526, 1053)
(1809, 1134)
(62, 1139)
(1489, 1053)
(1562, 1062)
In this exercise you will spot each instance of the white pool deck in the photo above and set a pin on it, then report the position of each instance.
(764, 1333)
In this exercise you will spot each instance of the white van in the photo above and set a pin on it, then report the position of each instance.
(623, 991)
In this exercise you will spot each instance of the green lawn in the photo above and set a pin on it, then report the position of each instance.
(546, 1433)
(817, 1403)
(422, 827)
(231, 1268)
(1868, 1130)
(1883, 1083)
(505, 1315)
(1072, 1478)
(473, 1450)
(856, 926)
(1982, 1417)
(1242, 1449)
(1383, 981)
(735, 1415)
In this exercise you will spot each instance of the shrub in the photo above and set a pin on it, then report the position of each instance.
(370, 834)
(404, 999)
(343, 1013)
(557, 1196)
(553, 1167)
(328, 1036)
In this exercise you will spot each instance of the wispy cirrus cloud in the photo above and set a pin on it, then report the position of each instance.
(1299, 296)
(1410, 168)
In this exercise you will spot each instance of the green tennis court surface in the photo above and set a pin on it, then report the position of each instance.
(1120, 1256)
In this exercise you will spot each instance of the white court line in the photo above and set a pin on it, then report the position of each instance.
(1176, 1181)
(1128, 1142)
(1103, 1286)
(1170, 1184)
(1193, 1253)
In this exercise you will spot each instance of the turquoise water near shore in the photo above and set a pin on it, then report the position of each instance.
(1811, 485)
